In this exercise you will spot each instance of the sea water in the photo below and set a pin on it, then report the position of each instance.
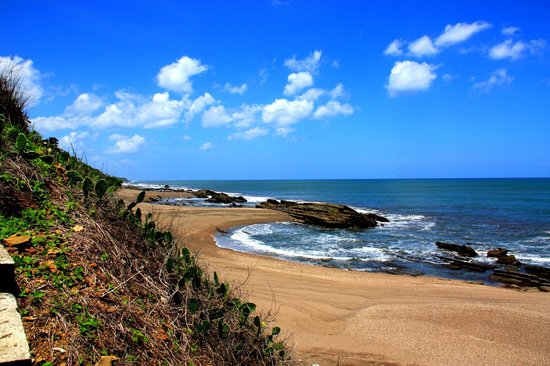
(484, 213)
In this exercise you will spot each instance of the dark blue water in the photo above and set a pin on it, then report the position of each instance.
(489, 213)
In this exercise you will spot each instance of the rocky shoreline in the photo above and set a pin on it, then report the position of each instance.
(505, 268)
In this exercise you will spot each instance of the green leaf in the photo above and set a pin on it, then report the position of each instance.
(140, 197)
(21, 142)
(48, 159)
(74, 176)
(138, 214)
(100, 188)
(87, 186)
(275, 331)
(193, 305)
(30, 155)
(131, 205)
(167, 237)
(248, 308)
(257, 321)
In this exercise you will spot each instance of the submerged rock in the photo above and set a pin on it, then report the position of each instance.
(324, 214)
(498, 252)
(224, 198)
(509, 260)
(463, 250)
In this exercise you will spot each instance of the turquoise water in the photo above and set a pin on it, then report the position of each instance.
(488, 213)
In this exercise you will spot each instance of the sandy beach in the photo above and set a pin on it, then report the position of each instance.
(338, 317)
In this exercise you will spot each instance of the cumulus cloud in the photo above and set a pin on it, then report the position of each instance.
(125, 144)
(515, 50)
(198, 105)
(249, 134)
(175, 76)
(409, 76)
(233, 89)
(332, 109)
(309, 64)
(246, 115)
(459, 32)
(85, 103)
(297, 82)
(215, 116)
(285, 112)
(423, 46)
(130, 110)
(313, 94)
(73, 140)
(29, 77)
(338, 91)
(206, 146)
(510, 31)
(498, 78)
(394, 48)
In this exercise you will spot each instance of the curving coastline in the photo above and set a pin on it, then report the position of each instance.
(358, 318)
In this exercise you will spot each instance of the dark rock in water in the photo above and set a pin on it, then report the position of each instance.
(224, 198)
(471, 266)
(323, 214)
(540, 271)
(518, 278)
(462, 250)
(498, 252)
(203, 193)
(377, 217)
(509, 260)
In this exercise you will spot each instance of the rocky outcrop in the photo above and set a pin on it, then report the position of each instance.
(496, 253)
(324, 214)
(508, 260)
(225, 198)
(463, 250)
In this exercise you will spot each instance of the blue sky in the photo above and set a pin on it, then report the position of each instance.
(289, 89)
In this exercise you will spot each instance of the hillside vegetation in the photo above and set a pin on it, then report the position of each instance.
(98, 278)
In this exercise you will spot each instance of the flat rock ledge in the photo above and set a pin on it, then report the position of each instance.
(325, 214)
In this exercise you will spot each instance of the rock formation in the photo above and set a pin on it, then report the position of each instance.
(325, 214)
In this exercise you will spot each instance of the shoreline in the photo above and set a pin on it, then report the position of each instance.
(362, 318)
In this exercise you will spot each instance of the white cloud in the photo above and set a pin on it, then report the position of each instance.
(297, 82)
(125, 144)
(514, 51)
(459, 32)
(498, 77)
(206, 146)
(338, 91)
(423, 46)
(85, 103)
(187, 138)
(249, 134)
(335, 64)
(55, 123)
(332, 109)
(160, 111)
(407, 76)
(73, 140)
(283, 131)
(198, 105)
(176, 76)
(28, 76)
(510, 31)
(312, 94)
(284, 112)
(246, 116)
(262, 74)
(233, 89)
(394, 48)
(309, 64)
(215, 116)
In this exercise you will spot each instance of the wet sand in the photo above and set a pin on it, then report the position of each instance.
(338, 317)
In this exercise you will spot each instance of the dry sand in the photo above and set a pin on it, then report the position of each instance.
(337, 317)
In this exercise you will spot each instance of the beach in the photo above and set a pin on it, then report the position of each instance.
(339, 317)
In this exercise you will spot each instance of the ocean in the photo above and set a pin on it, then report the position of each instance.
(483, 213)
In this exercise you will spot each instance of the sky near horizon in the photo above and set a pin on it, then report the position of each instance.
(284, 89)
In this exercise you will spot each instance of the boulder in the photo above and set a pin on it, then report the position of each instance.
(498, 252)
(463, 250)
(216, 197)
(324, 214)
(203, 193)
(508, 260)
